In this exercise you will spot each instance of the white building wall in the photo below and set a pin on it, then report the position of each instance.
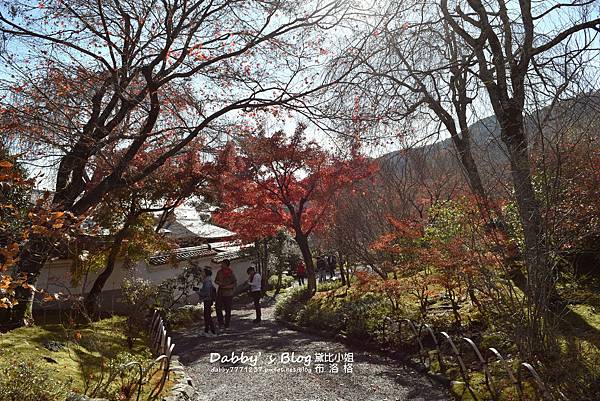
(55, 277)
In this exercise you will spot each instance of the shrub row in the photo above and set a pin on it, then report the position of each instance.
(286, 281)
(356, 316)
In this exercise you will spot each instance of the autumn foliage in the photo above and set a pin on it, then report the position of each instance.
(11, 224)
(446, 253)
(23, 219)
(274, 181)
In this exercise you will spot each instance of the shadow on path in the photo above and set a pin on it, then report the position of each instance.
(372, 377)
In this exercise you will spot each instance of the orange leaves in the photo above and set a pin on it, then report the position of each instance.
(406, 228)
(385, 243)
(37, 229)
(48, 223)
(5, 303)
(28, 286)
(435, 252)
(8, 256)
(393, 288)
(9, 175)
(405, 241)
(57, 219)
(5, 281)
(12, 199)
(8, 286)
(280, 181)
(47, 297)
(197, 52)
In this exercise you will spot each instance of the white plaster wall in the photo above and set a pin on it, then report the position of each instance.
(56, 276)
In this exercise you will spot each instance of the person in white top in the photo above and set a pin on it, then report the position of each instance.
(254, 281)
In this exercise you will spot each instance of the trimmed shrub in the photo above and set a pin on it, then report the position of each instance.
(329, 286)
(321, 314)
(290, 303)
(286, 281)
(360, 317)
(185, 316)
(364, 315)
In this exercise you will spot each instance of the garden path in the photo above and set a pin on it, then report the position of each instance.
(373, 377)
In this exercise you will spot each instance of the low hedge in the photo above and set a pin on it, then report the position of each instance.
(357, 316)
(286, 281)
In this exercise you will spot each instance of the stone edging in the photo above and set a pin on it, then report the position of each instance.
(80, 397)
(395, 355)
(183, 389)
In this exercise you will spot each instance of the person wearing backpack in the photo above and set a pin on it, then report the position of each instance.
(227, 283)
(207, 295)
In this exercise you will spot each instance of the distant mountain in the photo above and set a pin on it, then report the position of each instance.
(486, 142)
(566, 118)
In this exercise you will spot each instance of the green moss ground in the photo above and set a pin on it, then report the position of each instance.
(86, 349)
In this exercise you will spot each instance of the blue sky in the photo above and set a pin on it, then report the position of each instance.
(482, 108)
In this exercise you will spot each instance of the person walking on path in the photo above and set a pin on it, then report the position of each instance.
(322, 269)
(207, 295)
(301, 272)
(254, 281)
(331, 265)
(227, 282)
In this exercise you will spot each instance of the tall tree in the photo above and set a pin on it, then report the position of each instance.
(277, 182)
(512, 50)
(105, 75)
(125, 213)
(430, 66)
(412, 70)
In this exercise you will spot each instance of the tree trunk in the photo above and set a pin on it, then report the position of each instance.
(264, 274)
(262, 253)
(31, 261)
(529, 210)
(302, 242)
(540, 287)
(345, 270)
(463, 146)
(22, 313)
(92, 299)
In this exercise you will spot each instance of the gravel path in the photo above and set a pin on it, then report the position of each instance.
(373, 377)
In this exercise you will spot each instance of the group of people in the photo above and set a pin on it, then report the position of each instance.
(325, 264)
(222, 296)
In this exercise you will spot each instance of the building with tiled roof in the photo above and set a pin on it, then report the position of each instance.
(200, 244)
